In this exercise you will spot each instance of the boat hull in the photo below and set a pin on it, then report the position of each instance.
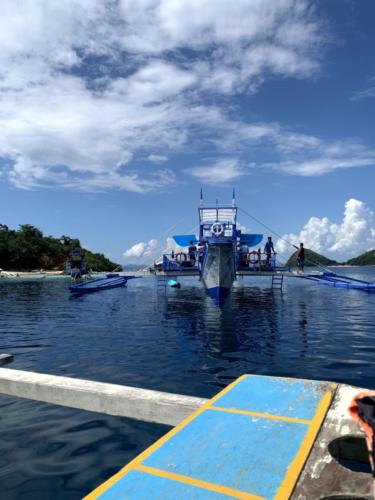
(218, 271)
(99, 284)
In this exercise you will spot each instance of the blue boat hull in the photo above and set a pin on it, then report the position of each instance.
(218, 292)
(100, 284)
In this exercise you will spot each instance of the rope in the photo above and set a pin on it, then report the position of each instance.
(170, 229)
(283, 239)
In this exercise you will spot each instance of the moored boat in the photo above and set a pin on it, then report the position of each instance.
(96, 285)
(218, 253)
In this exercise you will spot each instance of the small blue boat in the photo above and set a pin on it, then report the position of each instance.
(99, 284)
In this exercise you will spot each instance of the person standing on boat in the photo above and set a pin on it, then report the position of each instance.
(301, 258)
(243, 250)
(268, 248)
(192, 253)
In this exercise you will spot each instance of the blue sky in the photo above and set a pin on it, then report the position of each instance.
(113, 114)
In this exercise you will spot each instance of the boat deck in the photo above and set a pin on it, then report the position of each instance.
(250, 441)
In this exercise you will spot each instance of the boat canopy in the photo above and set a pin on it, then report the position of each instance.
(251, 239)
(183, 240)
(218, 214)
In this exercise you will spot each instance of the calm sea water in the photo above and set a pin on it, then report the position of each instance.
(179, 342)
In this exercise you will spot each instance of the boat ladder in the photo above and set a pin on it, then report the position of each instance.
(161, 281)
(277, 281)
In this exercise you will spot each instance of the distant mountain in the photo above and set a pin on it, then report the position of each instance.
(135, 267)
(311, 259)
(365, 259)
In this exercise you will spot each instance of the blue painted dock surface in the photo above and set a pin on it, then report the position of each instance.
(250, 441)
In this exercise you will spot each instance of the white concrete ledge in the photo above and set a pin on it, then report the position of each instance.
(112, 399)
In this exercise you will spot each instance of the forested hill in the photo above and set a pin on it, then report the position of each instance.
(311, 259)
(27, 249)
(366, 259)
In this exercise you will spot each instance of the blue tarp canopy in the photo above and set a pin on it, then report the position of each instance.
(251, 239)
(183, 240)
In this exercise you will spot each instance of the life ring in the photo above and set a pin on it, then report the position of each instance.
(250, 259)
(181, 257)
(217, 229)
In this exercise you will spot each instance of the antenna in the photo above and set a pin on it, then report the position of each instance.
(201, 199)
(234, 198)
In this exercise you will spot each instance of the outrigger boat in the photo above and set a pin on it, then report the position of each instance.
(99, 284)
(220, 253)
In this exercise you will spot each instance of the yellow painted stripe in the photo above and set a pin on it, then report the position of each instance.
(197, 482)
(145, 454)
(294, 471)
(262, 415)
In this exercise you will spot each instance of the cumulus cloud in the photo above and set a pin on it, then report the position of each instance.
(93, 93)
(141, 250)
(354, 235)
(90, 89)
(146, 252)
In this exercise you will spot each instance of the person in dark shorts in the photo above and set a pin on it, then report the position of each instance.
(268, 248)
(301, 258)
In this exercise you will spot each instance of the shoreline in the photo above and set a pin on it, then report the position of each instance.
(31, 273)
(14, 273)
(39, 274)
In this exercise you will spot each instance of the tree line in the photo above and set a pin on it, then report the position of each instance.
(27, 248)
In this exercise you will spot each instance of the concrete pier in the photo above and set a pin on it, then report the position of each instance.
(260, 438)
(332, 469)
(139, 404)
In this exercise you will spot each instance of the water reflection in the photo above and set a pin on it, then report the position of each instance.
(302, 323)
(248, 320)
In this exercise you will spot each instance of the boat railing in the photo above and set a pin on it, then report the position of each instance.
(255, 260)
(182, 261)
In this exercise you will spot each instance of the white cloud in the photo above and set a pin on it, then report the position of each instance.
(353, 236)
(141, 252)
(307, 155)
(247, 39)
(369, 91)
(145, 252)
(157, 158)
(217, 173)
(88, 88)
(92, 93)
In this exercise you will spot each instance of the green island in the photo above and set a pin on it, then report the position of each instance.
(365, 259)
(27, 249)
(313, 259)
